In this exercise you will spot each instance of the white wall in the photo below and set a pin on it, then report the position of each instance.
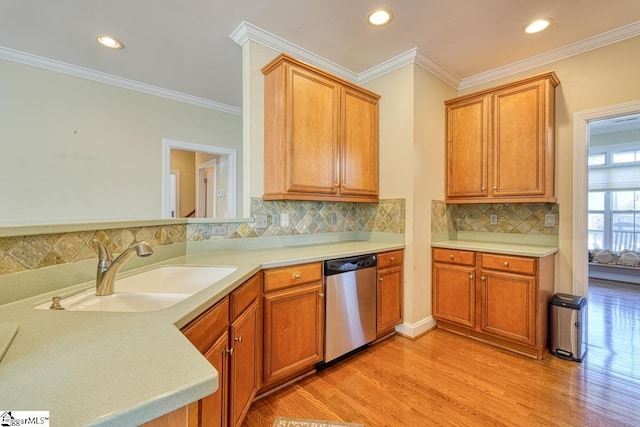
(73, 149)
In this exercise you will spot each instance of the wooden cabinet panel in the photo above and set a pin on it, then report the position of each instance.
(500, 143)
(389, 259)
(454, 256)
(389, 299)
(242, 297)
(293, 331)
(509, 263)
(508, 306)
(359, 156)
(213, 408)
(205, 329)
(244, 363)
(321, 135)
(454, 294)
(286, 277)
(467, 147)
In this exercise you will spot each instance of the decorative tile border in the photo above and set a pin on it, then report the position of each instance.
(516, 218)
(24, 253)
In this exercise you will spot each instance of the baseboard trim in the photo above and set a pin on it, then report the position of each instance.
(414, 330)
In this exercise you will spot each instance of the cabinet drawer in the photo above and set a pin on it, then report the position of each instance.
(284, 277)
(389, 259)
(509, 263)
(453, 256)
(204, 330)
(242, 297)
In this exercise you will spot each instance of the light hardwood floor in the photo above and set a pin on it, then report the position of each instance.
(445, 379)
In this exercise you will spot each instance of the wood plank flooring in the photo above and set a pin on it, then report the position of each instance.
(445, 379)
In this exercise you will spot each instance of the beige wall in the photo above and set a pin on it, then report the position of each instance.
(72, 149)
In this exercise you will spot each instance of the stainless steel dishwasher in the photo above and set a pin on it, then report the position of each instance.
(350, 311)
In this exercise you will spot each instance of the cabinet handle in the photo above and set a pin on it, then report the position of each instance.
(495, 188)
(321, 295)
(481, 277)
(471, 276)
(451, 256)
(506, 263)
(296, 276)
(230, 351)
(380, 278)
(482, 189)
(238, 339)
(392, 258)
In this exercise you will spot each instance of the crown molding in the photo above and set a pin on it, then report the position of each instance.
(86, 73)
(582, 46)
(248, 32)
(412, 56)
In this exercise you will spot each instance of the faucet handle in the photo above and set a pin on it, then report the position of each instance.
(103, 253)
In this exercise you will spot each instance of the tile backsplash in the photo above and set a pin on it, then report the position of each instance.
(515, 218)
(22, 253)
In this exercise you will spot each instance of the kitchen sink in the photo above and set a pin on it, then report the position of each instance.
(150, 290)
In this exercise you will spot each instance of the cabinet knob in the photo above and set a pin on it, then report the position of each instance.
(392, 258)
(451, 256)
(230, 351)
(495, 188)
(471, 276)
(296, 276)
(481, 277)
(238, 339)
(321, 295)
(482, 189)
(380, 278)
(506, 263)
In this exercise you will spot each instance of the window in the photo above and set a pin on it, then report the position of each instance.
(597, 159)
(614, 220)
(626, 157)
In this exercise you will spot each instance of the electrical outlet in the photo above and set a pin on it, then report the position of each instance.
(261, 221)
(549, 220)
(493, 219)
(284, 220)
(333, 220)
(275, 220)
(220, 230)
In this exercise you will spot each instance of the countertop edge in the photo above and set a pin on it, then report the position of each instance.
(499, 248)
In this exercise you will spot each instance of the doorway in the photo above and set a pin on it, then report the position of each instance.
(187, 191)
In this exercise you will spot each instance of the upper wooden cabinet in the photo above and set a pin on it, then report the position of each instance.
(500, 143)
(321, 135)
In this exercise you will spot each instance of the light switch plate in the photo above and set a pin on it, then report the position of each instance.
(261, 221)
(275, 220)
(549, 220)
(493, 219)
(284, 220)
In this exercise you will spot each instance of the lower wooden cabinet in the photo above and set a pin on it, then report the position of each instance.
(228, 335)
(389, 292)
(500, 299)
(293, 322)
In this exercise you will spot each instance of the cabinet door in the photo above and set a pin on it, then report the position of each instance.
(293, 331)
(389, 299)
(312, 135)
(213, 408)
(359, 144)
(243, 363)
(454, 294)
(519, 141)
(467, 142)
(508, 306)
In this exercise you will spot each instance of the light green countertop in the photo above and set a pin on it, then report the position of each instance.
(121, 369)
(537, 251)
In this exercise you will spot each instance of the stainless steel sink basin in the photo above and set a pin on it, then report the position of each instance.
(150, 290)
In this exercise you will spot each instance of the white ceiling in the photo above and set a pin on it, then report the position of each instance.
(185, 46)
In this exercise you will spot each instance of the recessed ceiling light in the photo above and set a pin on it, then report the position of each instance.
(110, 42)
(379, 17)
(537, 26)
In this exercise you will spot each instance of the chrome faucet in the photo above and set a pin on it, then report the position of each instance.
(109, 267)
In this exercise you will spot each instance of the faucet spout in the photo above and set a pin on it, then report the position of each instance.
(108, 267)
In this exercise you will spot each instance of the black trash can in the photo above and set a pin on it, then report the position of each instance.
(568, 326)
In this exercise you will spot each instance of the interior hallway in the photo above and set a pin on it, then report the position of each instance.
(445, 379)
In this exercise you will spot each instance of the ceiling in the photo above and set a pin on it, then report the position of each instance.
(184, 46)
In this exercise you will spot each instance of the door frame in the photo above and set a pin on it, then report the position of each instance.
(581, 119)
(229, 153)
(201, 168)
